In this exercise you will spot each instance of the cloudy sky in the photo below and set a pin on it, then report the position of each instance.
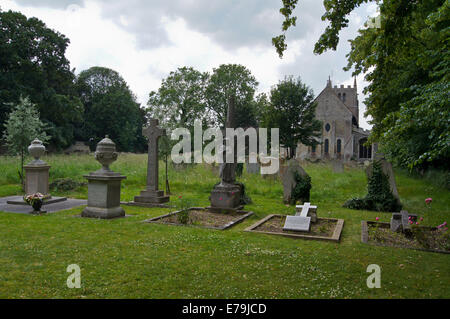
(144, 40)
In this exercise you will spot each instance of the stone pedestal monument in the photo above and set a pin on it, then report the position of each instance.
(36, 176)
(151, 196)
(225, 197)
(104, 185)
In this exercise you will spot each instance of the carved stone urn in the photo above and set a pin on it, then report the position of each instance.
(36, 149)
(105, 153)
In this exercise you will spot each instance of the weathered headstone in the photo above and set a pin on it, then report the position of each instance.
(226, 195)
(104, 185)
(387, 170)
(288, 173)
(151, 195)
(253, 168)
(400, 222)
(338, 166)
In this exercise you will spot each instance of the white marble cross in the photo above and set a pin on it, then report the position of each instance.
(304, 209)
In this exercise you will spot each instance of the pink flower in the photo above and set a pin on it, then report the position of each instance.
(421, 219)
(417, 223)
(232, 193)
(377, 219)
(428, 200)
(220, 198)
(444, 223)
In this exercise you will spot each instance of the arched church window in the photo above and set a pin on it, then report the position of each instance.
(339, 96)
(313, 149)
(339, 146)
(327, 146)
(327, 127)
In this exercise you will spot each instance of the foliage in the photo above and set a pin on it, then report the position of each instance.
(183, 206)
(180, 99)
(292, 110)
(302, 189)
(379, 195)
(110, 109)
(33, 64)
(407, 63)
(245, 198)
(21, 128)
(65, 184)
(232, 80)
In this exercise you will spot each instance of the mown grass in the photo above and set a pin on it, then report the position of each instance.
(125, 258)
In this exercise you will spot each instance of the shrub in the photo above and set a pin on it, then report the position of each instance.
(302, 189)
(65, 184)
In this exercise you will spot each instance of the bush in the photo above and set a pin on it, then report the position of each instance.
(65, 184)
(302, 189)
(379, 195)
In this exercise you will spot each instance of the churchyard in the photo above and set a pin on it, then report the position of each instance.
(133, 258)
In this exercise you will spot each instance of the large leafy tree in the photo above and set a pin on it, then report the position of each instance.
(406, 61)
(23, 126)
(180, 100)
(33, 64)
(110, 109)
(232, 80)
(292, 110)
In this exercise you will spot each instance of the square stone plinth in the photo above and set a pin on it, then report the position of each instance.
(151, 197)
(36, 179)
(226, 197)
(104, 197)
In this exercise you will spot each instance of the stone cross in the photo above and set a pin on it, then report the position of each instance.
(153, 133)
(228, 170)
(307, 210)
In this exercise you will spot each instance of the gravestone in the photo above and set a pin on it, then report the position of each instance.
(287, 173)
(253, 168)
(387, 170)
(338, 166)
(301, 221)
(400, 221)
(312, 212)
(226, 195)
(104, 185)
(152, 195)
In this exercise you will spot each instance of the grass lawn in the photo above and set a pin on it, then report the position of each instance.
(125, 258)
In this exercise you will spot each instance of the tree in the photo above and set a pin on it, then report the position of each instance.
(180, 100)
(406, 61)
(33, 64)
(21, 128)
(292, 110)
(110, 109)
(232, 80)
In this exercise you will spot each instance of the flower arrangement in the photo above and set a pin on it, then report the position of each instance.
(183, 206)
(35, 200)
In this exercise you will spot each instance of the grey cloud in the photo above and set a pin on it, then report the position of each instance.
(57, 4)
(230, 23)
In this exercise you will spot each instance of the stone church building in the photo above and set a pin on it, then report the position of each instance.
(342, 138)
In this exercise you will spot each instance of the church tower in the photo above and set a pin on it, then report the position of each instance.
(349, 96)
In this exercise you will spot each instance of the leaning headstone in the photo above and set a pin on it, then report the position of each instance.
(104, 185)
(152, 195)
(338, 166)
(288, 173)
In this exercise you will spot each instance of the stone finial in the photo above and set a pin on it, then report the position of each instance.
(105, 153)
